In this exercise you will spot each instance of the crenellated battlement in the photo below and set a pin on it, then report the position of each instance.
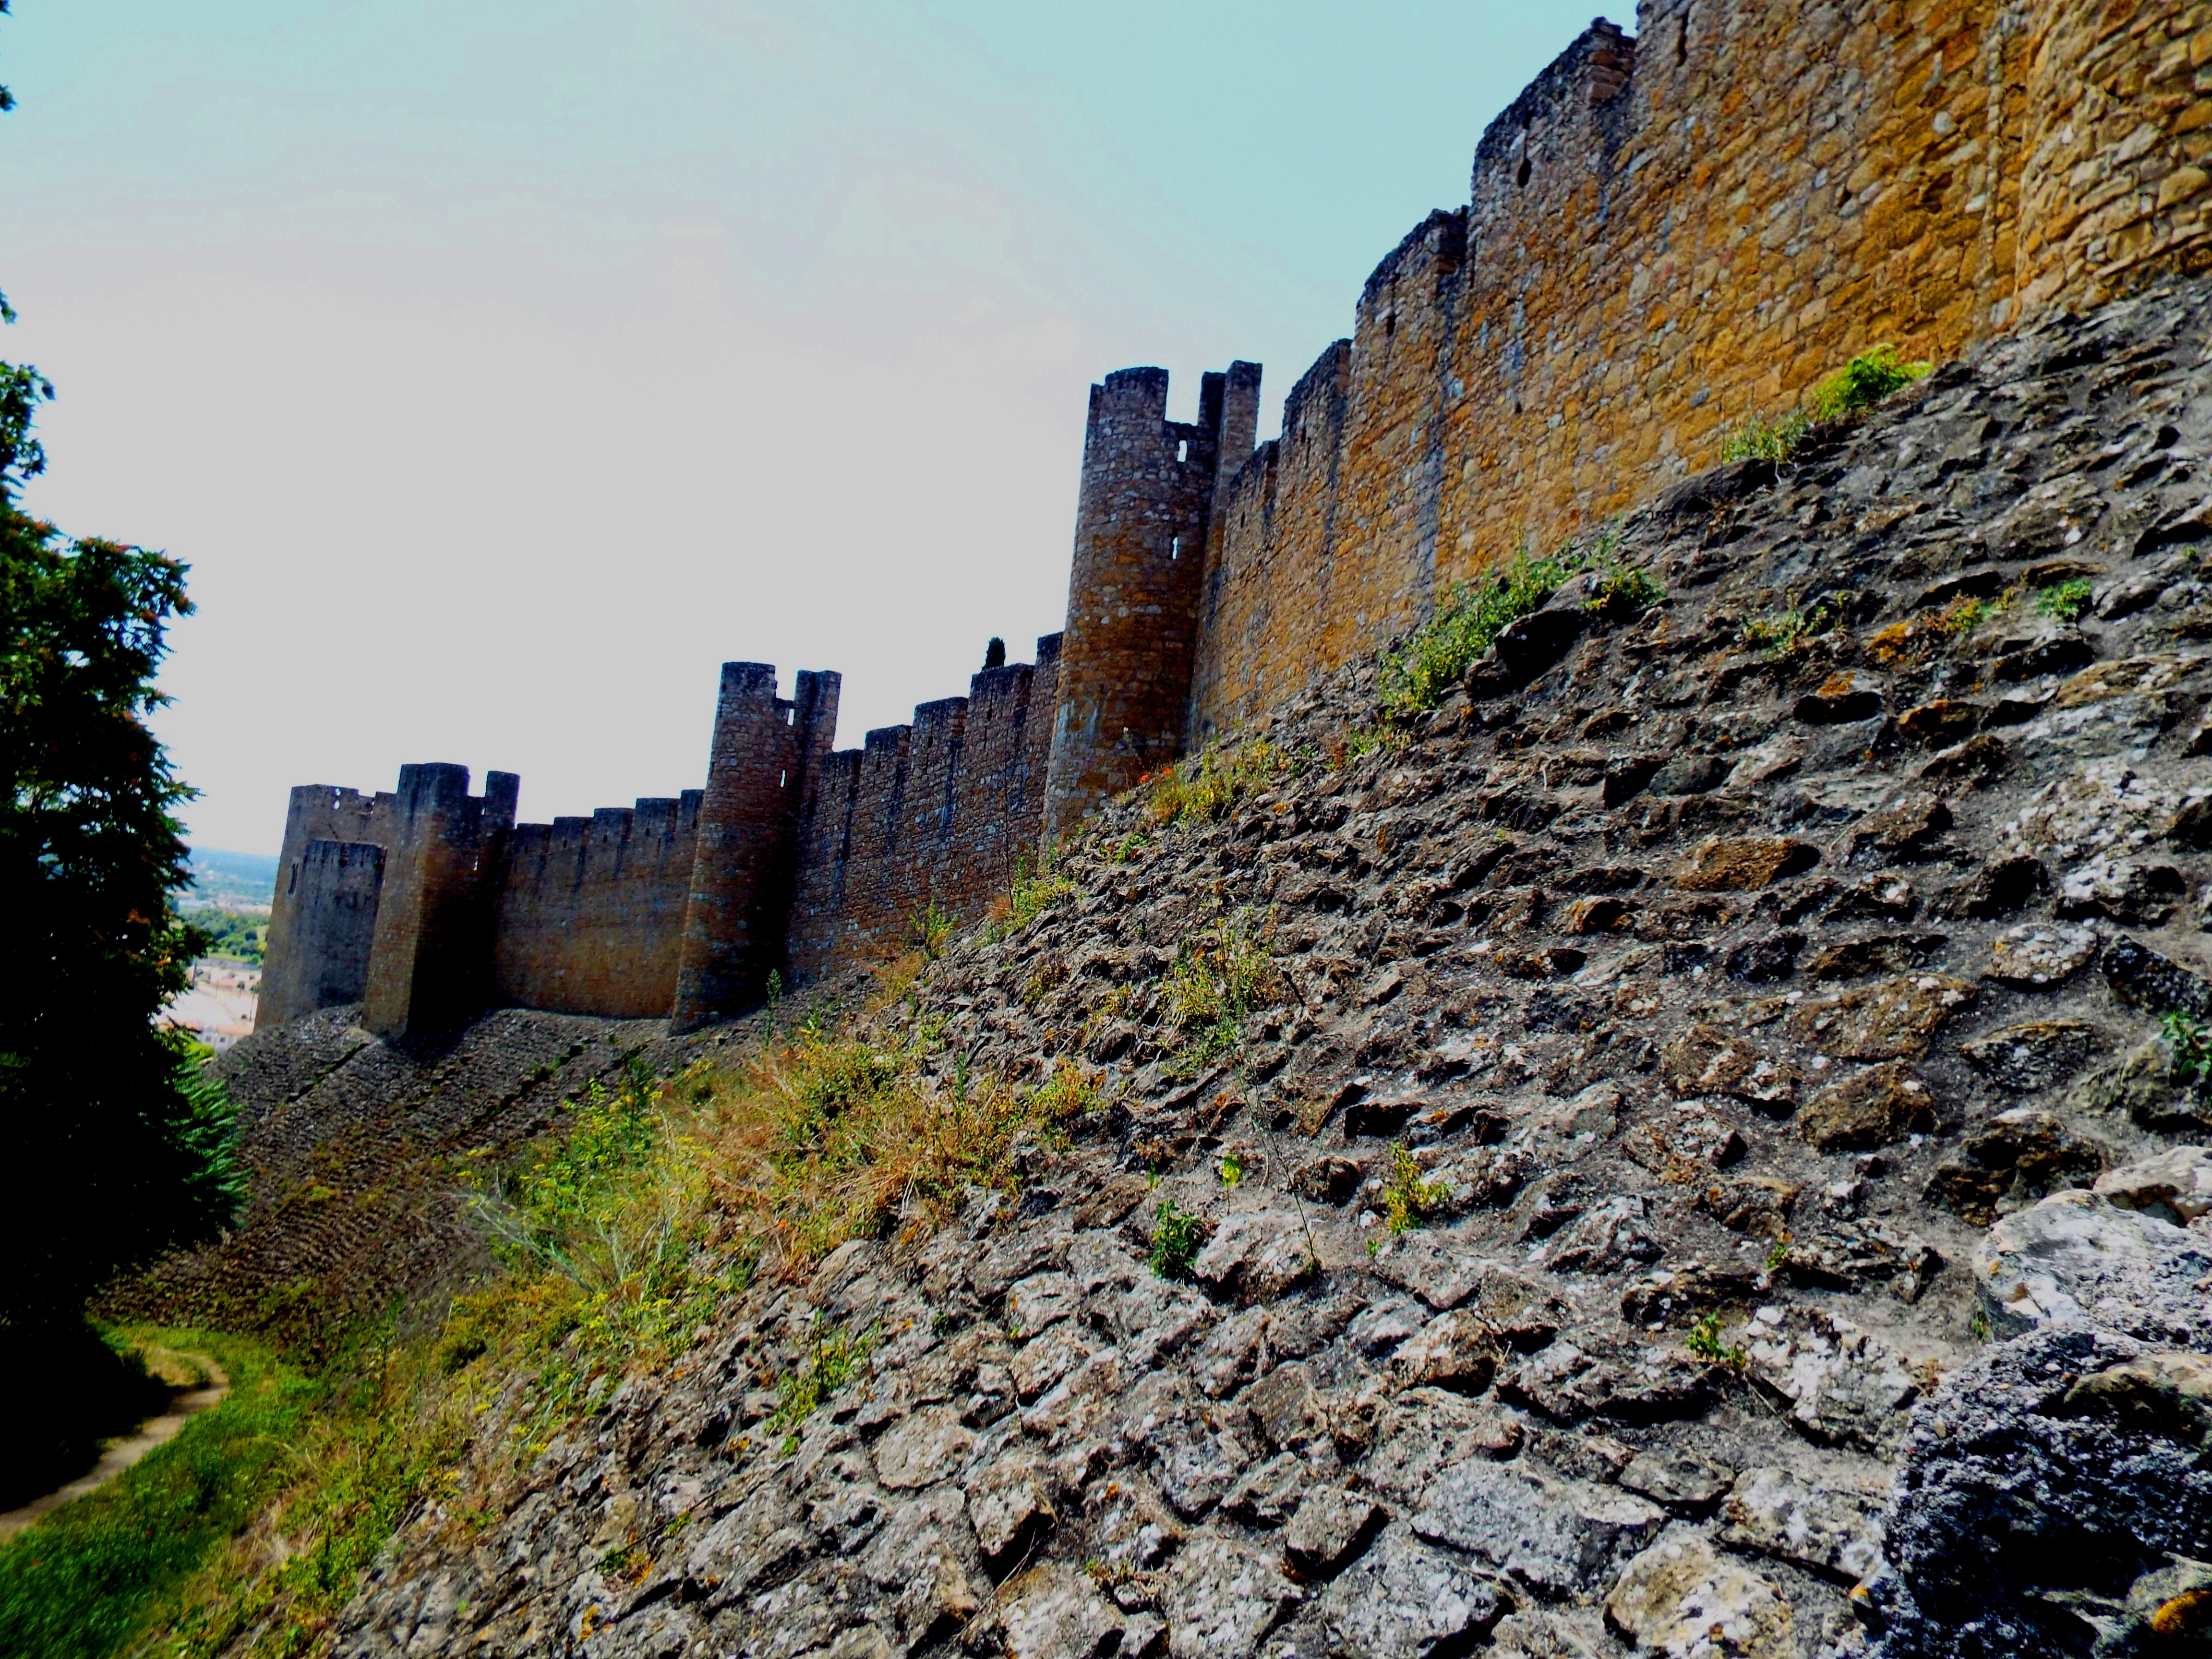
(1663, 234)
(937, 811)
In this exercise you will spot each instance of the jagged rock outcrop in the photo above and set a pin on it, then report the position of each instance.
(1727, 977)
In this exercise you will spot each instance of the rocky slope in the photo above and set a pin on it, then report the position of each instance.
(1760, 986)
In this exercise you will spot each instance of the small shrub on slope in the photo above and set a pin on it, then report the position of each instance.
(1419, 674)
(1857, 386)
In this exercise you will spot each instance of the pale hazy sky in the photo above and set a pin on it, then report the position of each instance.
(501, 369)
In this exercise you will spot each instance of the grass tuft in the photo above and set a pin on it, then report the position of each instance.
(1866, 380)
(1209, 786)
(1030, 897)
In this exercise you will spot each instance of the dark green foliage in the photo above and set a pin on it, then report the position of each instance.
(1175, 1239)
(117, 1152)
(2190, 1041)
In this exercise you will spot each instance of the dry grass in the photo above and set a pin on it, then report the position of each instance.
(1209, 785)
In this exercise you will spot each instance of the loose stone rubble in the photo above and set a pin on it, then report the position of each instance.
(1817, 1257)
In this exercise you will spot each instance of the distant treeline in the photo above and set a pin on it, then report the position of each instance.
(242, 939)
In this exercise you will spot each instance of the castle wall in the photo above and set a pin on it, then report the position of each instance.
(2117, 156)
(1663, 236)
(291, 973)
(1668, 234)
(938, 811)
(431, 965)
(591, 911)
(335, 903)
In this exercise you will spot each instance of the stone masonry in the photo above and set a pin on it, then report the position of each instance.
(1665, 234)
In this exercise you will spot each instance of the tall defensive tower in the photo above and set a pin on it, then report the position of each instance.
(1148, 486)
(765, 749)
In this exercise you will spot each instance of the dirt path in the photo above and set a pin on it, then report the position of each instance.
(183, 1403)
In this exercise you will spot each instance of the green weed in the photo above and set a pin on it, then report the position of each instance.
(2190, 1041)
(1759, 439)
(1068, 1093)
(1209, 785)
(1177, 1235)
(1216, 982)
(1866, 380)
(1778, 635)
(1705, 1343)
(1962, 617)
(837, 1355)
(930, 930)
(1030, 897)
(1231, 1169)
(1407, 1199)
(1421, 672)
(2065, 601)
(1625, 592)
(1858, 386)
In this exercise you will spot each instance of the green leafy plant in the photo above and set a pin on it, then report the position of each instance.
(836, 1355)
(2065, 601)
(930, 929)
(1868, 379)
(1779, 1253)
(1408, 1199)
(1177, 1235)
(1783, 632)
(1705, 1343)
(1231, 1169)
(1420, 673)
(2190, 1041)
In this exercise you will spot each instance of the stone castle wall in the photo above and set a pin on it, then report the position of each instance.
(1667, 235)
(1664, 235)
(309, 950)
(590, 917)
(938, 812)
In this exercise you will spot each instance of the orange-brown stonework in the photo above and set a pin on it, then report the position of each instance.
(1668, 234)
